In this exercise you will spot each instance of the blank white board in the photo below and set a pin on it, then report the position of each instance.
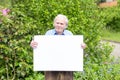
(58, 53)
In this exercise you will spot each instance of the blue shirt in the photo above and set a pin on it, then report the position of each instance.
(53, 32)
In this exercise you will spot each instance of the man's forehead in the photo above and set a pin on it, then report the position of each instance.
(60, 19)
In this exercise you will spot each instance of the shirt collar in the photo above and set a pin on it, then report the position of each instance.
(57, 34)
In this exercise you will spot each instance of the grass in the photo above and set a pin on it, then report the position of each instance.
(110, 35)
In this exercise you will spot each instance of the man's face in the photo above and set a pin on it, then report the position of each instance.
(59, 25)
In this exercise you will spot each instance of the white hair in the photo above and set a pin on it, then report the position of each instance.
(62, 16)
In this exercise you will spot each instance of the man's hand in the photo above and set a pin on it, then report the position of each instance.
(83, 45)
(33, 44)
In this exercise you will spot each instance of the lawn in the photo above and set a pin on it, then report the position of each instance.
(110, 35)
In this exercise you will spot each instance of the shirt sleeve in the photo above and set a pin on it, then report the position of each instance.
(67, 32)
(50, 32)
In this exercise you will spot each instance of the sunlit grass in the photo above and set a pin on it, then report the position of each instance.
(110, 35)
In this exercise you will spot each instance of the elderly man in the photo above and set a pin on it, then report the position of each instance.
(60, 25)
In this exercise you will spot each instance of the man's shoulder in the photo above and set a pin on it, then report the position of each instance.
(50, 32)
(67, 32)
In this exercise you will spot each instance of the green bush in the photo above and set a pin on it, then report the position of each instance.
(112, 17)
(15, 51)
(114, 25)
(26, 20)
(105, 71)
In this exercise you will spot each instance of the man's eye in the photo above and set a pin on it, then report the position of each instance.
(57, 23)
(61, 23)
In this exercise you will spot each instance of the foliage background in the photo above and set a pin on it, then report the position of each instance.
(26, 20)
